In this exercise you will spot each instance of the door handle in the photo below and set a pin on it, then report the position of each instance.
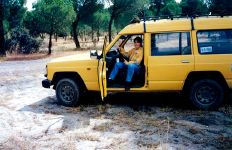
(185, 61)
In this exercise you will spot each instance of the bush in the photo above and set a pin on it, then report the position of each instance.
(22, 42)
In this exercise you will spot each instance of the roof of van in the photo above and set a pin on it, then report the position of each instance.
(180, 24)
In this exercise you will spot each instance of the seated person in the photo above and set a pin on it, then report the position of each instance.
(135, 57)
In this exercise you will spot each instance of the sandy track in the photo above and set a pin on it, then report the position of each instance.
(31, 119)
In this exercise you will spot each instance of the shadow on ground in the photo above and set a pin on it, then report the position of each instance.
(152, 119)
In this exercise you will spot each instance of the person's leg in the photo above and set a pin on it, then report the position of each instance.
(114, 72)
(132, 68)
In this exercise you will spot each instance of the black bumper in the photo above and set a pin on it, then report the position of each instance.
(46, 83)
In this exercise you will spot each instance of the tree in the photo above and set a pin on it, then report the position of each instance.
(193, 7)
(220, 7)
(11, 16)
(53, 16)
(83, 10)
(2, 39)
(120, 8)
(100, 20)
(171, 8)
(156, 6)
(97, 18)
(14, 36)
(15, 12)
(33, 23)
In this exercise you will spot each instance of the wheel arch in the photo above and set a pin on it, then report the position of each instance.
(73, 75)
(197, 75)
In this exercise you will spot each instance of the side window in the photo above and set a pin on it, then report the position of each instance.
(166, 44)
(127, 40)
(130, 43)
(215, 42)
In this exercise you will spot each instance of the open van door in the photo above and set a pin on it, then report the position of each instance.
(102, 71)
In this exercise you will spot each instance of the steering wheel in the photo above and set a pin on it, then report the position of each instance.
(113, 54)
(122, 57)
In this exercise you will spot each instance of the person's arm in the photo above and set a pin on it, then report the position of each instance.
(128, 56)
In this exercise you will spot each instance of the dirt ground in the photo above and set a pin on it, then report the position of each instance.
(30, 118)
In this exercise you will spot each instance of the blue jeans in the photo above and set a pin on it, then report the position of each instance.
(131, 69)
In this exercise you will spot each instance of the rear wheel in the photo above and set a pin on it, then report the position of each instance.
(68, 92)
(206, 94)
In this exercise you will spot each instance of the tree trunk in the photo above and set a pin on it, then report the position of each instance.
(110, 27)
(50, 40)
(2, 39)
(98, 34)
(92, 33)
(50, 44)
(56, 37)
(75, 35)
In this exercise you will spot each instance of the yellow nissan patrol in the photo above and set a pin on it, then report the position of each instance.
(192, 55)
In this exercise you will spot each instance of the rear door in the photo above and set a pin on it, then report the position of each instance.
(170, 61)
(102, 71)
(214, 52)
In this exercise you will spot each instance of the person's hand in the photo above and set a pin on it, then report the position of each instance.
(126, 62)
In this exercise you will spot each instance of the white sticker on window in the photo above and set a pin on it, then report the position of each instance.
(208, 49)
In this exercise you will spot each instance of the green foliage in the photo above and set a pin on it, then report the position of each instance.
(84, 31)
(221, 7)
(171, 8)
(2, 32)
(121, 11)
(156, 6)
(124, 8)
(14, 12)
(84, 10)
(33, 23)
(100, 19)
(193, 7)
(6, 26)
(22, 42)
(52, 16)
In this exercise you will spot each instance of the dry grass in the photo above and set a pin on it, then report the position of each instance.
(13, 57)
(105, 127)
(84, 137)
(35, 56)
(17, 142)
(148, 145)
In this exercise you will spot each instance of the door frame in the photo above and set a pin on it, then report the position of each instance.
(146, 46)
(102, 81)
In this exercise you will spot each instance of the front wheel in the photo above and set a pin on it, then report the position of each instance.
(206, 94)
(67, 92)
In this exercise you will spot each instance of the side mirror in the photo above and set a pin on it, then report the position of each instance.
(94, 54)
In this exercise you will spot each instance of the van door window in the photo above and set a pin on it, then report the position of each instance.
(165, 44)
(215, 42)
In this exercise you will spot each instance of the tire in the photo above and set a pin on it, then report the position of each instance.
(68, 92)
(206, 94)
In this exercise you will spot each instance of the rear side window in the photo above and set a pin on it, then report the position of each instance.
(215, 42)
(167, 44)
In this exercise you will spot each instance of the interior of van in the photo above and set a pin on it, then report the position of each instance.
(113, 56)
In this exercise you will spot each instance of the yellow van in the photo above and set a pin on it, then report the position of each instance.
(192, 55)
